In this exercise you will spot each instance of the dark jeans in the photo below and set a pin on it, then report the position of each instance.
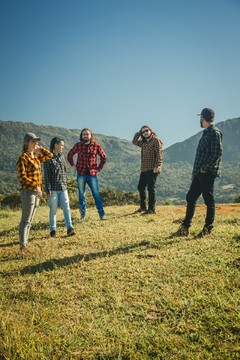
(203, 183)
(147, 178)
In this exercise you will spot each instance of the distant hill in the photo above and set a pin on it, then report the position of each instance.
(186, 150)
(179, 159)
(122, 169)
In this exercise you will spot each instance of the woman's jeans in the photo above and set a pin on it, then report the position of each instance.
(203, 183)
(30, 203)
(62, 197)
(147, 178)
(92, 182)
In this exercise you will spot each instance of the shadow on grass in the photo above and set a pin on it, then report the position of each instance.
(9, 244)
(56, 263)
(36, 226)
(7, 232)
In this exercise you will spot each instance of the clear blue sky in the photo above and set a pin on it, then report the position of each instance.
(115, 65)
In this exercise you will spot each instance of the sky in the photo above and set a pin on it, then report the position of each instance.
(116, 65)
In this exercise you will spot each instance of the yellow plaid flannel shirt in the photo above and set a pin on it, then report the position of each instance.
(29, 168)
(151, 152)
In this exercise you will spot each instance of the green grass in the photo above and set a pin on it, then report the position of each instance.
(121, 289)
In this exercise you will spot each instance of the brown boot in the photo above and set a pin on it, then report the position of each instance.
(182, 231)
(205, 232)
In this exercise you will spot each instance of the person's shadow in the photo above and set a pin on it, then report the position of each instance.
(52, 264)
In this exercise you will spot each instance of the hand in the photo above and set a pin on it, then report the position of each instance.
(74, 167)
(39, 192)
(192, 177)
(155, 170)
(38, 147)
(50, 195)
(202, 171)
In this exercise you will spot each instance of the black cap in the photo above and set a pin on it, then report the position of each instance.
(208, 114)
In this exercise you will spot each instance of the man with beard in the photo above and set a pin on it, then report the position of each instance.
(207, 166)
(87, 169)
(151, 163)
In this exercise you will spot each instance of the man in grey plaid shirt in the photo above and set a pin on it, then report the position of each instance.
(207, 166)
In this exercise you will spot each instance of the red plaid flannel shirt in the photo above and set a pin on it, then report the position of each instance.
(87, 160)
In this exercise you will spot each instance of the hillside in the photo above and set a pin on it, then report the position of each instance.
(122, 169)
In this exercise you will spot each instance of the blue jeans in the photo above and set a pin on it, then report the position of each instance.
(203, 183)
(61, 196)
(92, 182)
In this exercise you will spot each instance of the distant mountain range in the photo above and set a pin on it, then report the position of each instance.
(122, 169)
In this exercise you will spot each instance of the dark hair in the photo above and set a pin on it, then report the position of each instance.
(148, 127)
(52, 146)
(53, 142)
(81, 136)
(25, 147)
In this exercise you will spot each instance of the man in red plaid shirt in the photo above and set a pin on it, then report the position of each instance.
(87, 169)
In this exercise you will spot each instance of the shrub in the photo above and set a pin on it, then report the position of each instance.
(12, 201)
(237, 200)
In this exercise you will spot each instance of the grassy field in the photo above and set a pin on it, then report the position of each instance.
(121, 289)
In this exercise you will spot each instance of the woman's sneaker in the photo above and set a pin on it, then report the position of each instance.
(71, 232)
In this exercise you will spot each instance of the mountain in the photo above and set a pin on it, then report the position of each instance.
(179, 158)
(122, 169)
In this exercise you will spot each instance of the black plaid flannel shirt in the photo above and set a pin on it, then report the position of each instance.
(209, 152)
(55, 177)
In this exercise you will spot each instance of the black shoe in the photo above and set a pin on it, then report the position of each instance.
(148, 212)
(53, 233)
(71, 232)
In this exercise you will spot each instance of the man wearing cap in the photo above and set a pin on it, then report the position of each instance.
(207, 166)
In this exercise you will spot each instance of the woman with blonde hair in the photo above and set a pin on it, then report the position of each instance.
(29, 175)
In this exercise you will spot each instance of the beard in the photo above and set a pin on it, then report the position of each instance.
(86, 140)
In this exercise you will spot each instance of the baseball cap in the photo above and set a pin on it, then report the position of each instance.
(30, 136)
(207, 113)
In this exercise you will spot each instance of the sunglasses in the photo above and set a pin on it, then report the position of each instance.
(145, 131)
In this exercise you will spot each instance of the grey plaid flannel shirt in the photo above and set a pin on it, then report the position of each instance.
(55, 177)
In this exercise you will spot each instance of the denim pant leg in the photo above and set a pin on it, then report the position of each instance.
(93, 184)
(207, 185)
(142, 190)
(53, 205)
(64, 200)
(81, 194)
(30, 203)
(151, 181)
(192, 196)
